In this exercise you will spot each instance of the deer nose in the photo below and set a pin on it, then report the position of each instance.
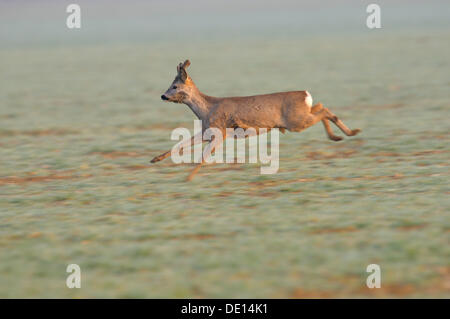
(163, 97)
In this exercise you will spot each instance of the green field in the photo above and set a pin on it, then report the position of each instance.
(80, 122)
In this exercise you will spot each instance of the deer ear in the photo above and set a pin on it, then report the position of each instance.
(181, 68)
(183, 65)
(186, 64)
(182, 74)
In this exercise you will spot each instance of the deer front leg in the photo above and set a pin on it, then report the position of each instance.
(196, 139)
(161, 157)
(194, 171)
(333, 118)
(206, 154)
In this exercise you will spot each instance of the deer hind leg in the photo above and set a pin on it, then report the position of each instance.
(331, 136)
(333, 118)
(317, 109)
(304, 121)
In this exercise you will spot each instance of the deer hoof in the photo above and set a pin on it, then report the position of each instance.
(356, 131)
(336, 138)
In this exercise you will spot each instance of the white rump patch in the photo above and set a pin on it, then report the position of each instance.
(308, 99)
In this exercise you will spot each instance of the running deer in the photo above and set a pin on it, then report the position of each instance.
(292, 111)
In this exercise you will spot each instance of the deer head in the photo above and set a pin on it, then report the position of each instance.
(182, 87)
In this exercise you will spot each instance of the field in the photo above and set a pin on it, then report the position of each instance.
(79, 124)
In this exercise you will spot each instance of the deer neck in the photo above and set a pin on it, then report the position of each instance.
(199, 103)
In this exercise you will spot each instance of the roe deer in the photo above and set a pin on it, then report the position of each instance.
(292, 111)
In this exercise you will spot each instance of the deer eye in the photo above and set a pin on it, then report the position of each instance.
(174, 87)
